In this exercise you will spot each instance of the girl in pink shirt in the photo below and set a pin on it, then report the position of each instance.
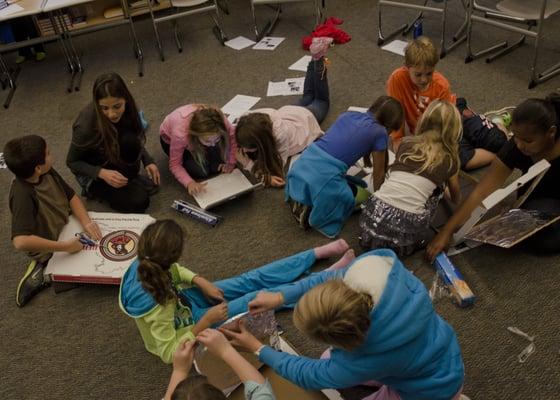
(267, 137)
(200, 142)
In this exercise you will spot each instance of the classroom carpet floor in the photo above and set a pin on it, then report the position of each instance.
(79, 345)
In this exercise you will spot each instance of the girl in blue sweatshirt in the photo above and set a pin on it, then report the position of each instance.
(171, 304)
(318, 190)
(381, 325)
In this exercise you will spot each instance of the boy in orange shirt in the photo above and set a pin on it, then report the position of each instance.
(416, 84)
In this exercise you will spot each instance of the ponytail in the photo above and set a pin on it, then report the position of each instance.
(160, 245)
(156, 281)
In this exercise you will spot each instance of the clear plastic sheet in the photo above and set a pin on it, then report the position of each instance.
(511, 227)
(263, 326)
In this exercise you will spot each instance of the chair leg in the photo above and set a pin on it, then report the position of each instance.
(506, 50)
(217, 28)
(382, 38)
(269, 27)
(178, 36)
(11, 76)
(403, 29)
(156, 32)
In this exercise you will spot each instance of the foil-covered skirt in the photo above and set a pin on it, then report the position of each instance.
(385, 226)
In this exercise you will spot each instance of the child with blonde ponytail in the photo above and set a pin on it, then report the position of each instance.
(398, 215)
(170, 304)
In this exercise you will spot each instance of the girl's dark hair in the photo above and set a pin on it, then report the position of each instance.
(388, 112)
(207, 120)
(112, 85)
(254, 131)
(197, 387)
(542, 114)
(160, 245)
(24, 153)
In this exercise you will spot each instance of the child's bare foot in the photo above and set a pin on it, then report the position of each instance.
(332, 249)
(346, 259)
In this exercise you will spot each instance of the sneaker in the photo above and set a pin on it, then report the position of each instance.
(319, 47)
(40, 56)
(501, 116)
(301, 214)
(20, 59)
(31, 283)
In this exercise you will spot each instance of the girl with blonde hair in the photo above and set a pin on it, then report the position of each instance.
(398, 215)
(200, 143)
(380, 324)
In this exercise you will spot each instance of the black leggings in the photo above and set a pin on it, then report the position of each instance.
(213, 158)
(547, 240)
(132, 198)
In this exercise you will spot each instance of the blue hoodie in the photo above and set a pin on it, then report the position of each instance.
(318, 179)
(408, 347)
(162, 327)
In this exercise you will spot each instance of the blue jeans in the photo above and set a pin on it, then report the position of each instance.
(240, 290)
(316, 90)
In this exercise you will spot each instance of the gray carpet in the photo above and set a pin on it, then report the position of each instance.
(79, 345)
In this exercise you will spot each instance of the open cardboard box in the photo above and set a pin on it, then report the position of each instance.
(284, 389)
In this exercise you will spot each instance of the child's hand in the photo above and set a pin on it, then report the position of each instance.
(196, 187)
(217, 314)
(93, 230)
(243, 339)
(215, 341)
(437, 245)
(242, 158)
(113, 178)
(72, 246)
(153, 172)
(208, 289)
(226, 168)
(183, 357)
(265, 301)
(276, 181)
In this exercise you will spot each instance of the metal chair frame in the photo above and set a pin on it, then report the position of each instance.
(276, 5)
(494, 17)
(458, 38)
(210, 6)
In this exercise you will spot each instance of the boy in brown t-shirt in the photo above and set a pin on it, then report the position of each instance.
(40, 203)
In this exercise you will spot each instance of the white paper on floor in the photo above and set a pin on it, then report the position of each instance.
(396, 46)
(239, 105)
(295, 86)
(289, 87)
(239, 43)
(301, 64)
(268, 43)
(276, 89)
